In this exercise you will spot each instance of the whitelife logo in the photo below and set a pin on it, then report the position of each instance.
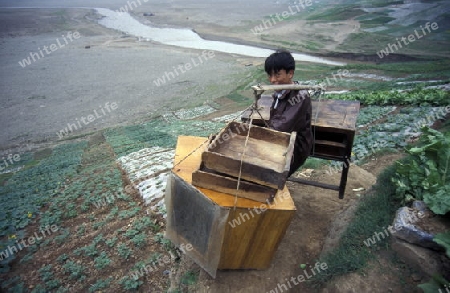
(53, 47)
(205, 56)
(45, 232)
(268, 23)
(411, 38)
(90, 118)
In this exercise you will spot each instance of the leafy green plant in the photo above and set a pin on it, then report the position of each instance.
(129, 213)
(62, 258)
(26, 258)
(139, 239)
(129, 283)
(130, 233)
(40, 288)
(10, 282)
(436, 284)
(166, 243)
(102, 261)
(100, 284)
(76, 271)
(98, 224)
(154, 258)
(123, 250)
(81, 230)
(71, 211)
(46, 275)
(189, 278)
(418, 97)
(89, 250)
(425, 175)
(443, 239)
(111, 242)
(98, 239)
(18, 288)
(63, 236)
(112, 214)
(142, 223)
(371, 113)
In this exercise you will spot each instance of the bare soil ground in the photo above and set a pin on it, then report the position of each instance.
(102, 66)
(320, 219)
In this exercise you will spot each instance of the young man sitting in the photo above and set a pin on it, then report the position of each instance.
(291, 109)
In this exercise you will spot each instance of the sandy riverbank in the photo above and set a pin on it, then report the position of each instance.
(40, 99)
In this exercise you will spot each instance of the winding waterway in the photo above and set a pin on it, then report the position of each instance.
(186, 38)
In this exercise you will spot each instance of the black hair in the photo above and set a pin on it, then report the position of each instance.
(281, 59)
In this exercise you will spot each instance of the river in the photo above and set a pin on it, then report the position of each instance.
(186, 38)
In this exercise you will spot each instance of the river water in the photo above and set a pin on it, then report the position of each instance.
(186, 38)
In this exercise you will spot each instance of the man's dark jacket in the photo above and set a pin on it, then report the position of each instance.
(292, 111)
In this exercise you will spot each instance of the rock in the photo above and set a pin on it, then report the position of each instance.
(148, 14)
(404, 229)
(423, 210)
(87, 47)
(422, 259)
(419, 205)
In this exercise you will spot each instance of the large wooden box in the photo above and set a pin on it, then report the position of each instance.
(226, 232)
(264, 158)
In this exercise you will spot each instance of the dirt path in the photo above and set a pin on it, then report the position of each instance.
(320, 217)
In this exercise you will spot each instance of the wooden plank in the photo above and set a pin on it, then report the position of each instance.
(228, 185)
(253, 243)
(267, 155)
(314, 183)
(289, 153)
(335, 114)
(271, 230)
(331, 143)
(238, 239)
(249, 171)
(186, 145)
(276, 87)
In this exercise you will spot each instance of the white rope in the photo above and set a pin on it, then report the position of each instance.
(242, 160)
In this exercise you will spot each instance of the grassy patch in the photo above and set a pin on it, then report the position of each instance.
(158, 132)
(314, 163)
(336, 13)
(374, 213)
(239, 99)
(401, 68)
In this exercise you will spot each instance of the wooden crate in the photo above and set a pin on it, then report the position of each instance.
(267, 155)
(248, 245)
(334, 127)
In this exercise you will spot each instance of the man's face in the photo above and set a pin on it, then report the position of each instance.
(281, 77)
